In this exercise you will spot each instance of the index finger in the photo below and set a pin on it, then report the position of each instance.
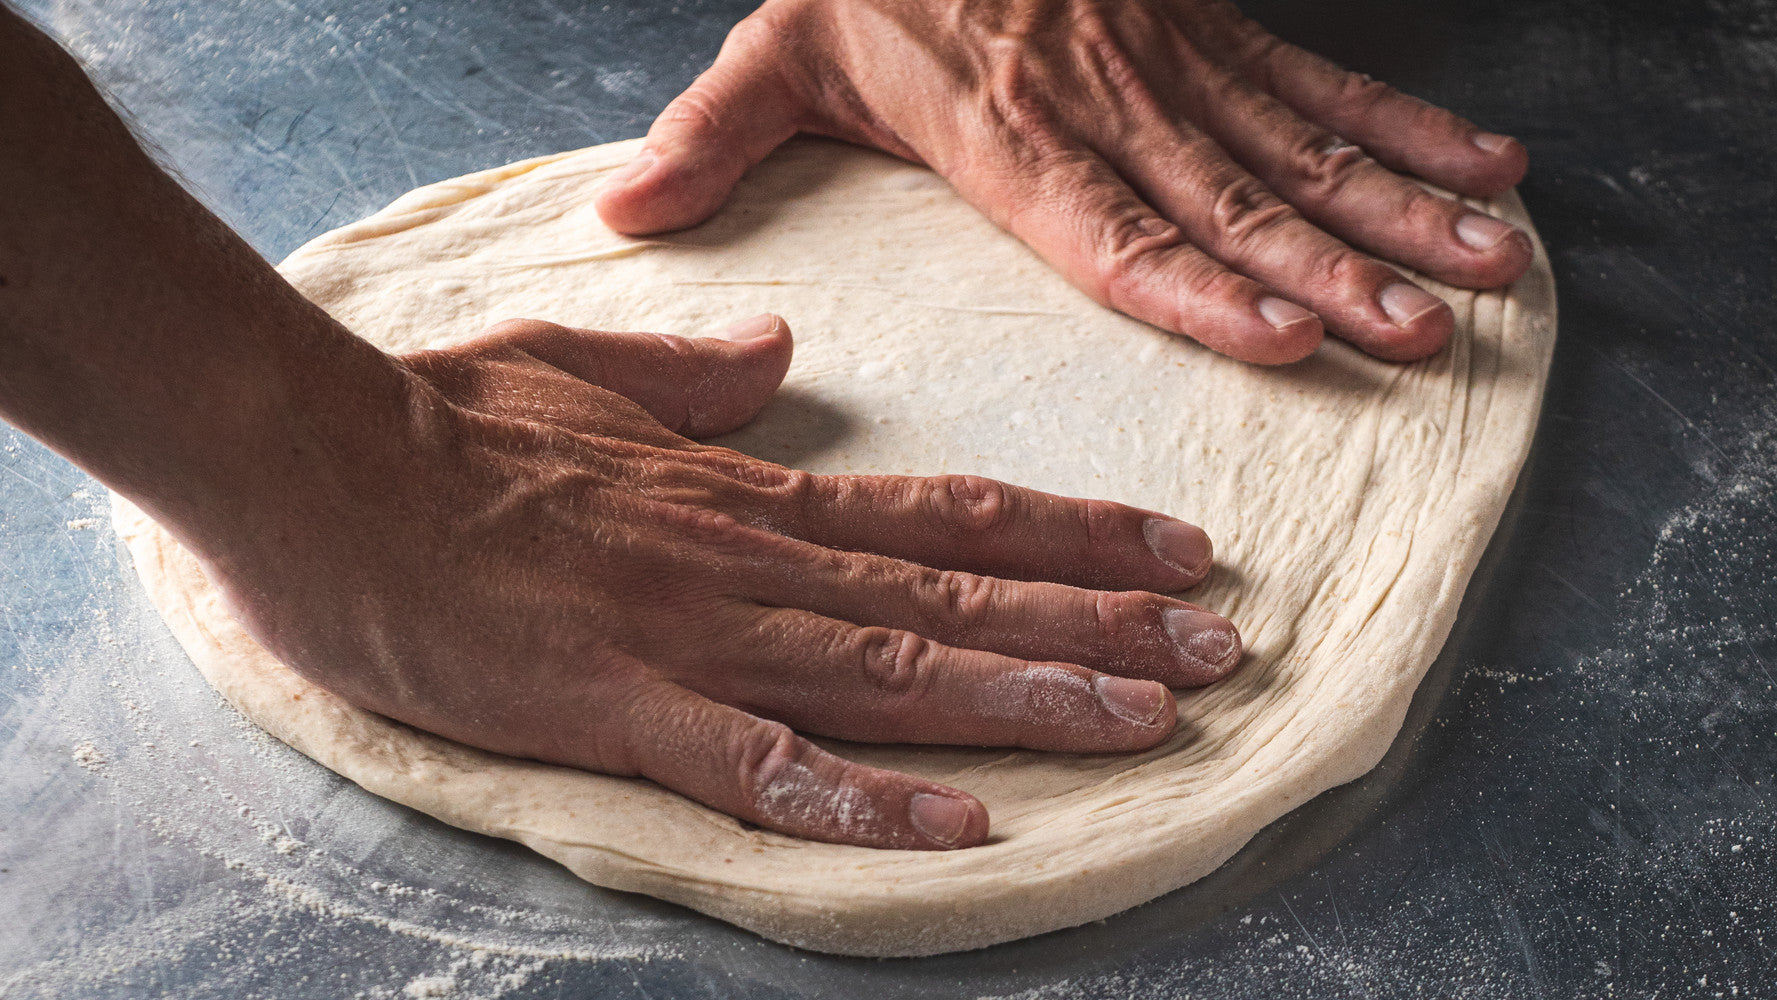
(764, 773)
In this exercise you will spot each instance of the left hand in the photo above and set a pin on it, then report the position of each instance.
(1173, 159)
(516, 549)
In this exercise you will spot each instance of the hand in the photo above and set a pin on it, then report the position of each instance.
(1172, 159)
(539, 564)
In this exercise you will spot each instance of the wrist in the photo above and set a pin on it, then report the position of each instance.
(145, 341)
(274, 446)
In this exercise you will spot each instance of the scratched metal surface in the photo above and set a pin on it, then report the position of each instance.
(1583, 806)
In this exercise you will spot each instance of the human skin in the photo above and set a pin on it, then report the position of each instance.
(517, 544)
(1170, 157)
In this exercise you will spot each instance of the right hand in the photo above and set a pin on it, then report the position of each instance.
(537, 563)
(1171, 158)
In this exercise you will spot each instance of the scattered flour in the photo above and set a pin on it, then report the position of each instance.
(431, 986)
(89, 756)
(267, 863)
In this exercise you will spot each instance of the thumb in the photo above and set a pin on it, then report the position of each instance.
(732, 116)
(696, 387)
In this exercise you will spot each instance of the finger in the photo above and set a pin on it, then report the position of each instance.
(1070, 207)
(763, 773)
(975, 524)
(1336, 186)
(730, 118)
(697, 387)
(1238, 220)
(1403, 132)
(833, 678)
(1134, 633)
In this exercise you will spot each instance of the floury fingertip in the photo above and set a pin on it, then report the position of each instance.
(1205, 637)
(1140, 702)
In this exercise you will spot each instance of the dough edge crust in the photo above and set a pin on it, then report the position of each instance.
(906, 913)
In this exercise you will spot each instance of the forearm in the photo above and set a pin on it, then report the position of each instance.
(139, 336)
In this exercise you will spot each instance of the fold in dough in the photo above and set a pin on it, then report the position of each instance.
(1349, 500)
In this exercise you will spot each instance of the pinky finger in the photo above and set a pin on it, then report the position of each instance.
(1401, 131)
(764, 773)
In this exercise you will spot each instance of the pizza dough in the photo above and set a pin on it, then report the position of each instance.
(1349, 500)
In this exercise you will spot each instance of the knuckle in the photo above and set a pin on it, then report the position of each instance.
(894, 662)
(1098, 523)
(1424, 211)
(691, 520)
(1131, 246)
(1018, 99)
(1364, 93)
(670, 479)
(681, 349)
(757, 31)
(779, 498)
(1245, 211)
(1326, 164)
(762, 752)
(770, 480)
(791, 490)
(970, 503)
(1111, 612)
(697, 110)
(519, 327)
(1211, 282)
(762, 492)
(1341, 268)
(962, 598)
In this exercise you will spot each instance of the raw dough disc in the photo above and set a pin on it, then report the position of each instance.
(1349, 500)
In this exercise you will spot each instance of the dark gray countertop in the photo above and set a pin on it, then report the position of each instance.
(1583, 805)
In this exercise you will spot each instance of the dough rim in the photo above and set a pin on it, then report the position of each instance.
(918, 910)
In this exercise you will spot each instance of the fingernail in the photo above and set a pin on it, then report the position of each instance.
(762, 325)
(1483, 232)
(1406, 302)
(1202, 636)
(1182, 546)
(1138, 701)
(633, 170)
(1281, 313)
(1491, 143)
(939, 817)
